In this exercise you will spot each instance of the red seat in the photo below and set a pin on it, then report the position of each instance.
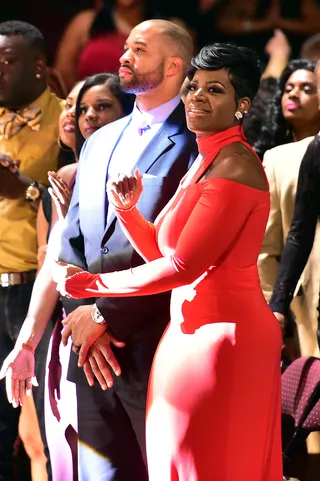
(301, 401)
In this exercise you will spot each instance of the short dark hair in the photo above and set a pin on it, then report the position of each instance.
(113, 82)
(242, 64)
(28, 32)
(275, 130)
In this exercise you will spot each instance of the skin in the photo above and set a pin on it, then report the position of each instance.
(147, 67)
(67, 118)
(98, 107)
(299, 104)
(210, 104)
(210, 108)
(22, 81)
(19, 66)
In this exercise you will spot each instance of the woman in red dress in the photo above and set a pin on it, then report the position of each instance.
(213, 409)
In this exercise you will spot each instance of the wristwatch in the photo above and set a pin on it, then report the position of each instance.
(32, 192)
(96, 315)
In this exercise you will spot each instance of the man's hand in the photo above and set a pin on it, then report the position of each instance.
(100, 357)
(83, 331)
(13, 183)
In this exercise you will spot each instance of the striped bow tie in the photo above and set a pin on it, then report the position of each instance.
(11, 122)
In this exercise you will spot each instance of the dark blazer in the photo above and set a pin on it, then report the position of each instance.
(99, 247)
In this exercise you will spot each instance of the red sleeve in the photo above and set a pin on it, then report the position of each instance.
(140, 232)
(213, 226)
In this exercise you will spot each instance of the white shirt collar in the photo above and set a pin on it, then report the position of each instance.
(158, 115)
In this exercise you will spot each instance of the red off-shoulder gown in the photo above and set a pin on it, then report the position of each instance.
(213, 411)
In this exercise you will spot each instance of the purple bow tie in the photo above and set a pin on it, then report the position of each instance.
(143, 127)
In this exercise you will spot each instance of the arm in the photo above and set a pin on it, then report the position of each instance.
(19, 364)
(140, 232)
(42, 233)
(213, 236)
(278, 49)
(301, 235)
(255, 118)
(71, 244)
(273, 240)
(71, 45)
(42, 304)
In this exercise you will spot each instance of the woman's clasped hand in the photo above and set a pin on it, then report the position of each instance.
(124, 190)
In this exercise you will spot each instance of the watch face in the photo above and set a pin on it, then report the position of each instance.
(33, 192)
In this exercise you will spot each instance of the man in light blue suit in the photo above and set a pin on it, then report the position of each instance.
(154, 139)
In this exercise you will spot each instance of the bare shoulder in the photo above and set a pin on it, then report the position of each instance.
(67, 172)
(238, 164)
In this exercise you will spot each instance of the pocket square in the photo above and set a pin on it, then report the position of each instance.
(149, 176)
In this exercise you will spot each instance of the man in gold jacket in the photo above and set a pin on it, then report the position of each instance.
(29, 115)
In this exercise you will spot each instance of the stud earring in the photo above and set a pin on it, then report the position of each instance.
(38, 75)
(238, 115)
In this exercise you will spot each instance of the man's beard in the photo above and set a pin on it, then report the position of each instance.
(144, 82)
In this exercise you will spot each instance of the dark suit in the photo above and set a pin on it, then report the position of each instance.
(113, 422)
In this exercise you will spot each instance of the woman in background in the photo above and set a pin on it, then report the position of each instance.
(293, 113)
(93, 41)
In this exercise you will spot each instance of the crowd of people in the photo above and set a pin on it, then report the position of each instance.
(159, 240)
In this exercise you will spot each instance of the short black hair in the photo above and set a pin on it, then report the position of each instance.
(28, 32)
(242, 64)
(113, 82)
(275, 129)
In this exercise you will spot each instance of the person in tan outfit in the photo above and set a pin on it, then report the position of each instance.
(299, 104)
(282, 166)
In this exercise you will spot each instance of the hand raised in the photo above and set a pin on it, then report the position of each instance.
(124, 191)
(278, 45)
(60, 193)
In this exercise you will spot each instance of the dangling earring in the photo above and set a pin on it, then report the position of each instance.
(238, 115)
(64, 146)
(38, 75)
(289, 131)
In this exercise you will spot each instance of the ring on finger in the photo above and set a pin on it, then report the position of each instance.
(76, 349)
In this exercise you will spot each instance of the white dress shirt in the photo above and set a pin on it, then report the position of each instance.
(132, 143)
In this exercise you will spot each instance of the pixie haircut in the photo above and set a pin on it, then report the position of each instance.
(242, 64)
(28, 32)
(112, 81)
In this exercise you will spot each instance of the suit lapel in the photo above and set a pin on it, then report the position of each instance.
(93, 180)
(160, 143)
